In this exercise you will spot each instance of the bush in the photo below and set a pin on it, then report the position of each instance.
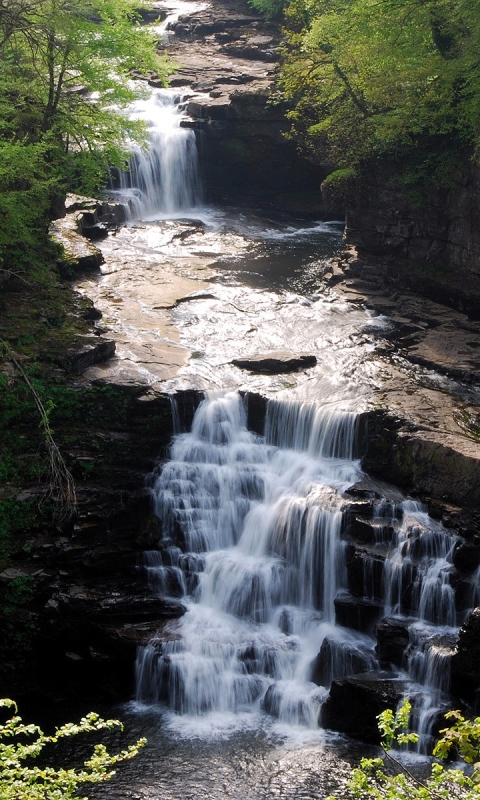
(373, 780)
(20, 743)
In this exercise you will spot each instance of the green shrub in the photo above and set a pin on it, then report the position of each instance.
(19, 743)
(374, 777)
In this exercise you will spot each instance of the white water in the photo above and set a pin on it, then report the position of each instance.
(263, 526)
(254, 542)
(163, 180)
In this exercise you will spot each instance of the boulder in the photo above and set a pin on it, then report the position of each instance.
(339, 658)
(466, 556)
(355, 702)
(276, 362)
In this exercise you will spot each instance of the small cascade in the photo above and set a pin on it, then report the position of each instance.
(286, 557)
(428, 659)
(163, 179)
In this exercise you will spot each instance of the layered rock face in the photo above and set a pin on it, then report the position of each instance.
(440, 232)
(227, 59)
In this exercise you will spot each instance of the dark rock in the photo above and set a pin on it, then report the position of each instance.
(365, 572)
(466, 556)
(339, 658)
(151, 533)
(354, 703)
(465, 663)
(356, 613)
(276, 362)
(80, 601)
(271, 700)
(256, 411)
(78, 361)
(392, 640)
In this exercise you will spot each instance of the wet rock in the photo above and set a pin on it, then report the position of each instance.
(79, 253)
(276, 362)
(256, 411)
(338, 659)
(365, 572)
(151, 533)
(80, 601)
(270, 702)
(355, 702)
(392, 640)
(465, 663)
(356, 612)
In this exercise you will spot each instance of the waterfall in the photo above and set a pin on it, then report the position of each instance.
(256, 529)
(284, 569)
(163, 179)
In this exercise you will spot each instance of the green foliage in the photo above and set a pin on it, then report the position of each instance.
(64, 81)
(400, 78)
(270, 8)
(19, 743)
(373, 780)
(338, 185)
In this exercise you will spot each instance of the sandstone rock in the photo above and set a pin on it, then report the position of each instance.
(276, 362)
(354, 703)
(79, 253)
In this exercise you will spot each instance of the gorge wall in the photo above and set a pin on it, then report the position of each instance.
(441, 228)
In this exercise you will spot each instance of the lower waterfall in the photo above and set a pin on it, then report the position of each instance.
(276, 558)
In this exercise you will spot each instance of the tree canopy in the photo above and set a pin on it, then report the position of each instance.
(64, 81)
(367, 78)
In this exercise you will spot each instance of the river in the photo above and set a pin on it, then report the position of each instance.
(256, 530)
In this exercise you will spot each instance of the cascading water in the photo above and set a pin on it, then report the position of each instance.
(257, 528)
(256, 542)
(163, 178)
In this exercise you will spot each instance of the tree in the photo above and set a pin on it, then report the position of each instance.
(372, 779)
(64, 83)
(369, 78)
(20, 743)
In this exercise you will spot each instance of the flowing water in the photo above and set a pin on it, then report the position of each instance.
(264, 539)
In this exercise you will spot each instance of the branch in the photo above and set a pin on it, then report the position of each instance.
(60, 486)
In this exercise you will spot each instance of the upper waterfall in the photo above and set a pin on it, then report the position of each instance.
(163, 179)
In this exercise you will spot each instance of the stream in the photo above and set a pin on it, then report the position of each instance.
(257, 530)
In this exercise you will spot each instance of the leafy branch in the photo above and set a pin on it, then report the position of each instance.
(20, 742)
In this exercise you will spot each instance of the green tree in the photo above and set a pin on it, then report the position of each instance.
(19, 743)
(367, 78)
(373, 780)
(64, 83)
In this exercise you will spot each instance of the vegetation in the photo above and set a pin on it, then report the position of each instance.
(376, 779)
(20, 743)
(64, 75)
(376, 79)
